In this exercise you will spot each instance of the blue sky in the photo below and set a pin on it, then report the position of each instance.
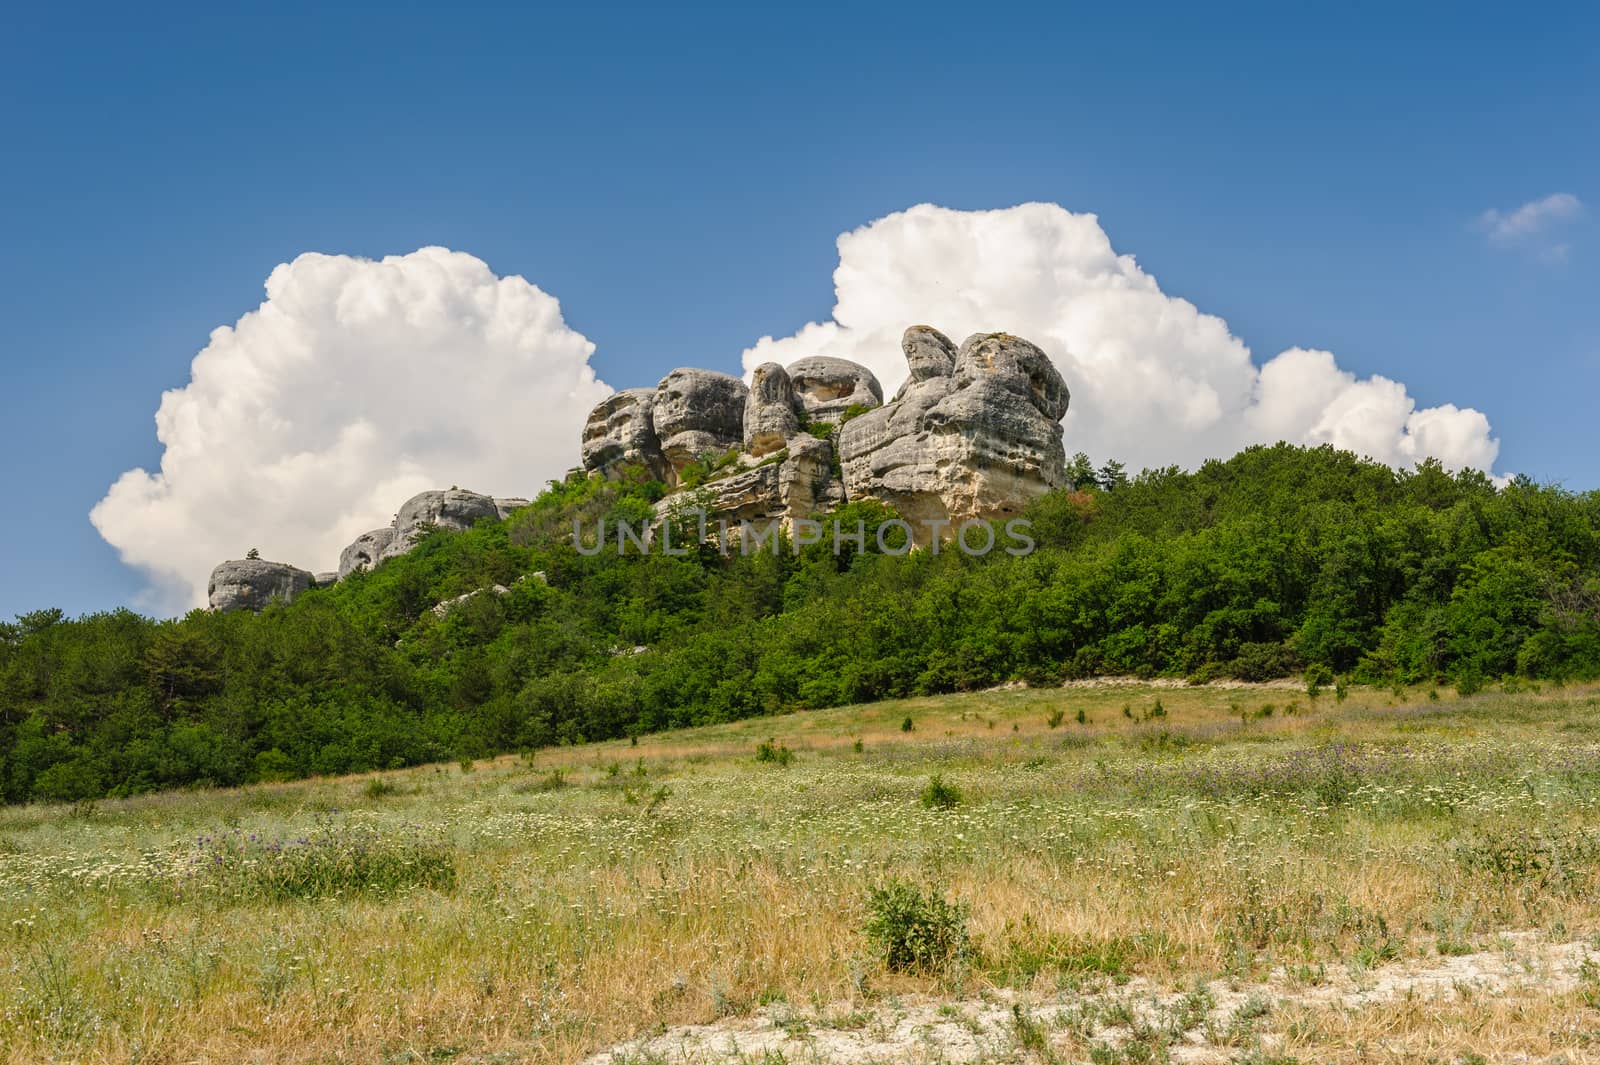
(677, 177)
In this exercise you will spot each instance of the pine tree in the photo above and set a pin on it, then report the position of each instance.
(1080, 471)
(1111, 476)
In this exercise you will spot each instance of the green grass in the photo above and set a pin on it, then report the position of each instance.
(542, 908)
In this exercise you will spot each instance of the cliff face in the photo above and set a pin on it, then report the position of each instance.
(974, 433)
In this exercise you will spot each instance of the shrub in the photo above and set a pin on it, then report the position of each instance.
(917, 932)
(774, 752)
(938, 795)
(907, 725)
(1318, 677)
(1262, 661)
(1055, 718)
(378, 787)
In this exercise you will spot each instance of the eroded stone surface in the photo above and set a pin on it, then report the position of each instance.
(252, 583)
(366, 551)
(771, 412)
(698, 413)
(980, 442)
(455, 509)
(828, 387)
(620, 434)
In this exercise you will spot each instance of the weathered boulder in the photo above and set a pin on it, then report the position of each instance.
(252, 583)
(828, 387)
(325, 578)
(978, 442)
(696, 413)
(620, 434)
(771, 411)
(366, 552)
(806, 484)
(929, 353)
(453, 509)
(504, 507)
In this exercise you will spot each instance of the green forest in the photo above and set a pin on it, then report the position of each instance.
(1282, 561)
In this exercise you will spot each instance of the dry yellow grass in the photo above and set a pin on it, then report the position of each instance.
(679, 880)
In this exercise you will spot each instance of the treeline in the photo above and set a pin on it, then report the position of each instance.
(1278, 560)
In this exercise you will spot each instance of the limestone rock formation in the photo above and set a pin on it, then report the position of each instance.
(828, 387)
(620, 433)
(453, 509)
(698, 412)
(442, 610)
(366, 552)
(252, 583)
(975, 432)
(326, 578)
(977, 442)
(771, 412)
(929, 353)
(504, 507)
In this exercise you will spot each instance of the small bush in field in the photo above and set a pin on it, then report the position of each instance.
(907, 725)
(1083, 718)
(1055, 718)
(917, 932)
(378, 787)
(774, 752)
(939, 795)
(1318, 677)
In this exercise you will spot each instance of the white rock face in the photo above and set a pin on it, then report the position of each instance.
(620, 434)
(978, 442)
(453, 509)
(697, 413)
(366, 552)
(252, 583)
(828, 387)
(771, 412)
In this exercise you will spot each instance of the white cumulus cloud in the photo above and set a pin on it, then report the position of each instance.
(1154, 380)
(355, 385)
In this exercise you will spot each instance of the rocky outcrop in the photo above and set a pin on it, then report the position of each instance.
(442, 610)
(698, 413)
(977, 441)
(366, 552)
(828, 388)
(620, 434)
(447, 509)
(504, 507)
(252, 583)
(771, 411)
(974, 432)
(454, 509)
(929, 353)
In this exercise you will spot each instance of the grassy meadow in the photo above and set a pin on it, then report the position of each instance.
(545, 908)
